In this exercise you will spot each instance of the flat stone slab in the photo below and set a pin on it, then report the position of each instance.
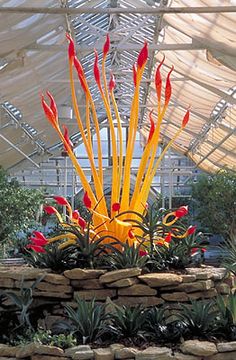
(103, 354)
(6, 350)
(56, 279)
(34, 348)
(100, 294)
(175, 296)
(161, 279)
(137, 290)
(71, 351)
(135, 300)
(116, 275)
(227, 346)
(125, 353)
(154, 353)
(81, 274)
(123, 283)
(87, 284)
(199, 348)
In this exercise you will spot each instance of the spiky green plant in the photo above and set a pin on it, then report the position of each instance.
(229, 259)
(160, 328)
(127, 322)
(226, 319)
(88, 320)
(23, 302)
(199, 318)
(128, 256)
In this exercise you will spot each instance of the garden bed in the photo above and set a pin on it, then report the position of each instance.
(189, 350)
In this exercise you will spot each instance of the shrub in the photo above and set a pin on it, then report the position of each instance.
(199, 318)
(127, 322)
(226, 318)
(159, 328)
(229, 259)
(87, 322)
(45, 337)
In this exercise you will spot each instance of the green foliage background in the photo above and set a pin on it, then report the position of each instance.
(19, 207)
(214, 198)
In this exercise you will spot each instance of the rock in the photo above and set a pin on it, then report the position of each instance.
(87, 284)
(34, 348)
(47, 357)
(56, 279)
(52, 294)
(103, 354)
(188, 278)
(84, 352)
(218, 273)
(25, 350)
(200, 273)
(230, 280)
(146, 301)
(195, 286)
(175, 296)
(70, 352)
(48, 350)
(179, 356)
(125, 353)
(200, 348)
(28, 273)
(223, 289)
(115, 347)
(6, 350)
(152, 352)
(208, 294)
(227, 346)
(116, 275)
(54, 288)
(159, 280)
(82, 274)
(8, 358)
(97, 294)
(222, 356)
(6, 283)
(123, 283)
(137, 290)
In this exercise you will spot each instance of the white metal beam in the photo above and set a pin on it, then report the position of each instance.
(18, 150)
(109, 10)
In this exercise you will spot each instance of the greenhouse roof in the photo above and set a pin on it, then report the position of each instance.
(196, 36)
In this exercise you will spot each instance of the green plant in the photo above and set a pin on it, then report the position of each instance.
(214, 201)
(62, 341)
(23, 302)
(126, 322)
(179, 254)
(87, 321)
(229, 259)
(19, 208)
(89, 246)
(160, 328)
(54, 258)
(226, 319)
(199, 318)
(126, 257)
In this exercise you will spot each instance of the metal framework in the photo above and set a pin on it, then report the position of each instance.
(198, 40)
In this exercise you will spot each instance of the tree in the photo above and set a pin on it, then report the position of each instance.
(215, 203)
(18, 207)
